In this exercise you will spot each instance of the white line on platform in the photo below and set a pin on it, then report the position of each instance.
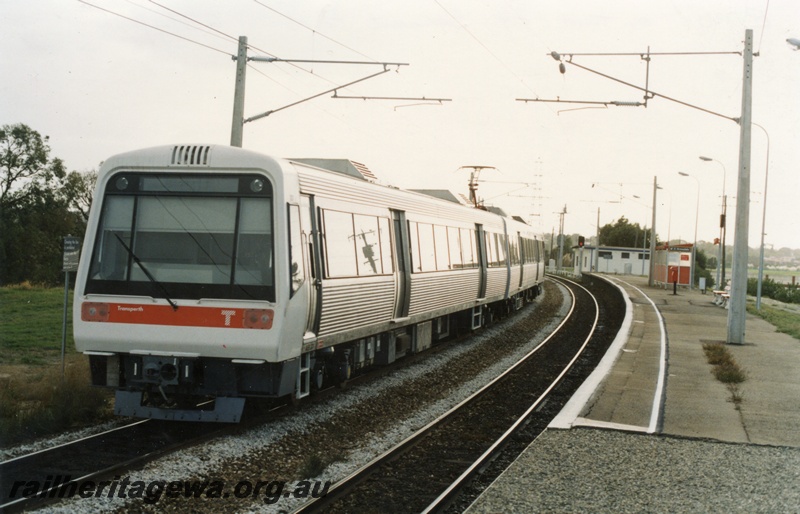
(586, 422)
(655, 413)
(569, 414)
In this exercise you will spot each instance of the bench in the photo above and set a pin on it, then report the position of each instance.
(722, 297)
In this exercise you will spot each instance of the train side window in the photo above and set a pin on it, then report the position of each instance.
(501, 249)
(456, 261)
(513, 249)
(468, 248)
(413, 242)
(385, 245)
(427, 256)
(442, 250)
(490, 249)
(367, 249)
(340, 253)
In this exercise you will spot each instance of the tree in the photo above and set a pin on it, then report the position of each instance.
(78, 190)
(25, 164)
(624, 234)
(35, 211)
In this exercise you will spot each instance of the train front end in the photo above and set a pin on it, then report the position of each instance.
(180, 300)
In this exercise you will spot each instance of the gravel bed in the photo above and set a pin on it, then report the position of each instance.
(591, 470)
(344, 432)
(57, 440)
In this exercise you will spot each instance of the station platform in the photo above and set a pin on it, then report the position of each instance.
(652, 430)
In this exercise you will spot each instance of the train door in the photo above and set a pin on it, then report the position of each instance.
(403, 270)
(482, 262)
(507, 238)
(520, 251)
(311, 255)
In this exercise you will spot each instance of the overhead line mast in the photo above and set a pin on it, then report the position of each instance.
(241, 58)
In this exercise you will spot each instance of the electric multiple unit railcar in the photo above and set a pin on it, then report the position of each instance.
(217, 272)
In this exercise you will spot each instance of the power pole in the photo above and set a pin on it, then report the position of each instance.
(653, 237)
(561, 238)
(737, 309)
(597, 250)
(237, 125)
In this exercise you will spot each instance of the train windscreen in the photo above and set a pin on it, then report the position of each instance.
(185, 236)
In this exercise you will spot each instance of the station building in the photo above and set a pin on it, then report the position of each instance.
(612, 259)
(672, 263)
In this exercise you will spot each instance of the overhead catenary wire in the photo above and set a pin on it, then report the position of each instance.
(488, 50)
(195, 21)
(153, 27)
(314, 31)
(176, 20)
(649, 93)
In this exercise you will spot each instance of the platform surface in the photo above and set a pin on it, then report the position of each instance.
(653, 430)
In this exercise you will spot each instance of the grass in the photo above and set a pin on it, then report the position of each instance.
(725, 369)
(34, 400)
(31, 320)
(784, 321)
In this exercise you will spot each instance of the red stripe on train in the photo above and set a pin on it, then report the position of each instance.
(184, 316)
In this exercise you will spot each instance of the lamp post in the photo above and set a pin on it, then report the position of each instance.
(644, 232)
(721, 251)
(694, 245)
(763, 224)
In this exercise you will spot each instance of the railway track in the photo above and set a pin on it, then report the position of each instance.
(103, 456)
(429, 470)
(90, 458)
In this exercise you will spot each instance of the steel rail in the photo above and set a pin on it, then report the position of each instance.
(441, 502)
(339, 489)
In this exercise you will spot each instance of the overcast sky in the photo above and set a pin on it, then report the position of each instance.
(100, 84)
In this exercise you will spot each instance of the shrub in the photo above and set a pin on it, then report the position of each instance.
(39, 403)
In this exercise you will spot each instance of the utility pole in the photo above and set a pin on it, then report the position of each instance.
(737, 309)
(653, 236)
(561, 238)
(724, 232)
(237, 125)
(597, 250)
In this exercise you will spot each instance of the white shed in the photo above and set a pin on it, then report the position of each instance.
(612, 259)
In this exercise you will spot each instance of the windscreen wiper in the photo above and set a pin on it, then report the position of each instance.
(146, 272)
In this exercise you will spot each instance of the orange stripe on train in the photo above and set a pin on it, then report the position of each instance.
(184, 316)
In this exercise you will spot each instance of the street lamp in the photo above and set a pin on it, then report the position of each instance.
(694, 246)
(763, 222)
(721, 251)
(644, 232)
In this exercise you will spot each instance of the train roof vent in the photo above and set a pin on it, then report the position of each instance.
(496, 210)
(190, 155)
(442, 194)
(343, 166)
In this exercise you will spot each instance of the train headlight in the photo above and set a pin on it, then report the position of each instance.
(257, 185)
(122, 183)
(169, 372)
(94, 311)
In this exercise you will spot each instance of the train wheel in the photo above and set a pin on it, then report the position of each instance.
(344, 371)
(318, 377)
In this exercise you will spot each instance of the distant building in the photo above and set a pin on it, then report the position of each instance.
(613, 259)
(672, 264)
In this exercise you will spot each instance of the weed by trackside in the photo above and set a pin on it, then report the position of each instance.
(39, 403)
(725, 369)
